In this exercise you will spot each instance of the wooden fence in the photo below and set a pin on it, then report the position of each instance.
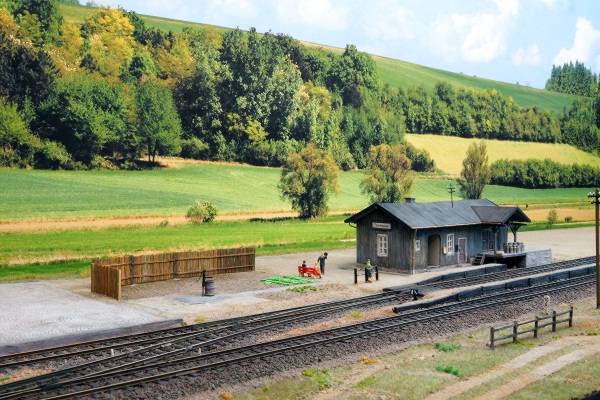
(538, 324)
(110, 274)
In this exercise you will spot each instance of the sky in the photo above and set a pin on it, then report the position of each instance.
(506, 40)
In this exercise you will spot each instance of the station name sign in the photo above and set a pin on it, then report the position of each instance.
(381, 225)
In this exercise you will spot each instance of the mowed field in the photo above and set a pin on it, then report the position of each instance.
(234, 189)
(449, 151)
(395, 72)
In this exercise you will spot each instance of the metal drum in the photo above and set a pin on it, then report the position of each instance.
(209, 286)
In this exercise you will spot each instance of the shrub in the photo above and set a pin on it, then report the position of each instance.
(420, 159)
(552, 217)
(450, 369)
(52, 155)
(194, 148)
(319, 376)
(568, 219)
(446, 347)
(201, 212)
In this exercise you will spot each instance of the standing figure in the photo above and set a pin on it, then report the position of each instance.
(369, 271)
(321, 261)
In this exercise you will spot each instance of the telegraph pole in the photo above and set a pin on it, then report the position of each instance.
(451, 190)
(595, 199)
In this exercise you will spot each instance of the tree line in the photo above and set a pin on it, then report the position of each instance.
(112, 90)
(546, 173)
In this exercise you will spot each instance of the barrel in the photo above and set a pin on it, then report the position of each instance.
(209, 286)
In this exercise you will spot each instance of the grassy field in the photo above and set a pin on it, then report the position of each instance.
(449, 151)
(397, 73)
(39, 194)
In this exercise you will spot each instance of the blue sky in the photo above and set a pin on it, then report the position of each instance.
(507, 40)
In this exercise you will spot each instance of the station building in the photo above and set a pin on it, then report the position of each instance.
(410, 237)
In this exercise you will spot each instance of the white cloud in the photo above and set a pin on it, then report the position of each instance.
(387, 20)
(548, 3)
(585, 48)
(528, 56)
(475, 37)
(320, 14)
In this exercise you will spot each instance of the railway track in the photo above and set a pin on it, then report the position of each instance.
(163, 370)
(141, 348)
(509, 274)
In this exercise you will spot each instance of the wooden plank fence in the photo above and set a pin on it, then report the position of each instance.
(110, 274)
(538, 324)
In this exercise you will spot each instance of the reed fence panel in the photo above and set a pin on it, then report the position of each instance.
(164, 266)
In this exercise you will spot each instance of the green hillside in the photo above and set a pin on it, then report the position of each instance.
(397, 73)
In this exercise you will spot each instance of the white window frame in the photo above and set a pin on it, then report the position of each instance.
(418, 245)
(450, 243)
(382, 245)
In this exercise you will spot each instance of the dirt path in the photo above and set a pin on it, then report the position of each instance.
(102, 223)
(590, 346)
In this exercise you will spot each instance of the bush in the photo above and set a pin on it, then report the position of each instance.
(446, 347)
(568, 219)
(552, 217)
(52, 155)
(420, 159)
(194, 148)
(319, 376)
(450, 369)
(201, 212)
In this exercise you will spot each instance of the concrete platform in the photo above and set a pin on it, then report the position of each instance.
(37, 311)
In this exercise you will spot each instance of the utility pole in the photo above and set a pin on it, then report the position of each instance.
(451, 190)
(595, 199)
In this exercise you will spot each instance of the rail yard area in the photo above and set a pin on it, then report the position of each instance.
(326, 338)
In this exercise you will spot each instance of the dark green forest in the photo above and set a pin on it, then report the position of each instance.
(112, 92)
(573, 79)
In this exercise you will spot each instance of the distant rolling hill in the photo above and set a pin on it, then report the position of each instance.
(397, 73)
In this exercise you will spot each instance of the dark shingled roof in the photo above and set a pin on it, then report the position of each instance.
(441, 214)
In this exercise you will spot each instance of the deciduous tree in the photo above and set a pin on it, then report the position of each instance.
(307, 180)
(476, 171)
(158, 122)
(389, 177)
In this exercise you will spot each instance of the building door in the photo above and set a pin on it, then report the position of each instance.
(434, 249)
(462, 250)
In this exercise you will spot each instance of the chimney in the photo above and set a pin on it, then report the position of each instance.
(410, 200)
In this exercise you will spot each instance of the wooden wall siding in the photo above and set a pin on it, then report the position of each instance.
(399, 242)
(164, 266)
(474, 235)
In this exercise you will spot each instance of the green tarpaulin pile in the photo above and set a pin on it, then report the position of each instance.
(286, 280)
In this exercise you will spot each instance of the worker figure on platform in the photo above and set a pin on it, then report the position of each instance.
(303, 263)
(369, 271)
(321, 262)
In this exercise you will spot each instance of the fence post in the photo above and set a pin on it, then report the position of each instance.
(355, 276)
(366, 278)
(492, 331)
(376, 273)
(515, 329)
(536, 327)
(554, 321)
(571, 317)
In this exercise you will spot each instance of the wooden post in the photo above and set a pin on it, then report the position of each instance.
(595, 200)
(356, 276)
(536, 326)
(515, 329)
(376, 273)
(492, 332)
(571, 317)
(554, 321)
(366, 278)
